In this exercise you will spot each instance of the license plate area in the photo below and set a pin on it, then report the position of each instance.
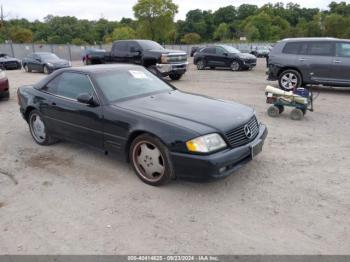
(256, 148)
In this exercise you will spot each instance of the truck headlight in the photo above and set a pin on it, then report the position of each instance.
(164, 59)
(206, 144)
(50, 64)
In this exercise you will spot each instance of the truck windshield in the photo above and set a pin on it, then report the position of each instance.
(122, 84)
(150, 45)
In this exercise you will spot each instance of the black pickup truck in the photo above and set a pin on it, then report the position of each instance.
(153, 56)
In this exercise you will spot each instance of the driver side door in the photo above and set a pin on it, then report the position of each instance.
(74, 120)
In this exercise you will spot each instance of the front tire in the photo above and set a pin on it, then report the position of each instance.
(27, 69)
(235, 65)
(289, 80)
(38, 129)
(175, 76)
(150, 160)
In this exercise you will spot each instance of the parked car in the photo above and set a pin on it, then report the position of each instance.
(125, 109)
(44, 62)
(223, 56)
(93, 56)
(194, 49)
(260, 51)
(4, 86)
(7, 62)
(160, 61)
(298, 62)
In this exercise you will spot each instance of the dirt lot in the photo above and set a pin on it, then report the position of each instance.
(294, 198)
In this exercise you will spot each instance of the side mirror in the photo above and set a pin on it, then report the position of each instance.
(38, 59)
(135, 51)
(225, 54)
(86, 98)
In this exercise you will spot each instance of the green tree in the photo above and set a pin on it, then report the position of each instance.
(226, 14)
(21, 35)
(123, 33)
(191, 38)
(222, 32)
(155, 18)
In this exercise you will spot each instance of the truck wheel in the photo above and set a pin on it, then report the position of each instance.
(289, 80)
(154, 70)
(175, 76)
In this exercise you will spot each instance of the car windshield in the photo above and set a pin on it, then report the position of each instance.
(122, 84)
(150, 45)
(48, 56)
(231, 49)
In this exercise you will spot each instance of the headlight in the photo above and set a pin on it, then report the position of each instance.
(164, 59)
(49, 64)
(2, 74)
(206, 144)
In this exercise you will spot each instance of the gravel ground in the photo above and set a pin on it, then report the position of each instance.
(292, 199)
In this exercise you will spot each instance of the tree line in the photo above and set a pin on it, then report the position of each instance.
(154, 19)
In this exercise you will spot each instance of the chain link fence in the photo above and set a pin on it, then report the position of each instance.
(73, 52)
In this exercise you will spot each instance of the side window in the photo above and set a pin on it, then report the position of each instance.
(209, 50)
(291, 48)
(343, 49)
(121, 46)
(320, 48)
(133, 47)
(71, 85)
(51, 87)
(220, 51)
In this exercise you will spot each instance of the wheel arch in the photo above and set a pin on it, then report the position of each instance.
(27, 112)
(133, 135)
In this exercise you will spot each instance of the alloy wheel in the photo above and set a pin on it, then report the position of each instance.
(148, 161)
(289, 81)
(37, 128)
(234, 66)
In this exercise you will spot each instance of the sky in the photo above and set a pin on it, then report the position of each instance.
(116, 9)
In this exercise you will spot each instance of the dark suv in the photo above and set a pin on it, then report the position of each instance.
(223, 56)
(298, 62)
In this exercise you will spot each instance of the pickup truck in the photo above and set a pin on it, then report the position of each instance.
(160, 61)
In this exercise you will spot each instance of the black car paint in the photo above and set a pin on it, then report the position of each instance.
(136, 53)
(112, 126)
(37, 62)
(246, 61)
(7, 62)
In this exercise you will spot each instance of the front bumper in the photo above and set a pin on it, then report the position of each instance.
(176, 68)
(217, 165)
(249, 63)
(56, 67)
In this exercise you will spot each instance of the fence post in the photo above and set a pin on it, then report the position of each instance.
(33, 47)
(70, 53)
(12, 50)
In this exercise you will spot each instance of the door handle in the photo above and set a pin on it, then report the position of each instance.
(302, 59)
(53, 103)
(337, 61)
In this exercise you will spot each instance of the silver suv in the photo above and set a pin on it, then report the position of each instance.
(296, 62)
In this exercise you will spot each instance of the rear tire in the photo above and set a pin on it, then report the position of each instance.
(201, 65)
(38, 129)
(151, 160)
(289, 79)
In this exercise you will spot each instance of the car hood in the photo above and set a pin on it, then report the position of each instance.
(8, 59)
(245, 56)
(57, 61)
(199, 113)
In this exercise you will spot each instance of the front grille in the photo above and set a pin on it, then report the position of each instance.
(237, 136)
(177, 58)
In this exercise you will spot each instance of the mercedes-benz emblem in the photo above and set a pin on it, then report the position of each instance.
(247, 131)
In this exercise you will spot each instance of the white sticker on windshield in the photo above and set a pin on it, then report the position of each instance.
(138, 74)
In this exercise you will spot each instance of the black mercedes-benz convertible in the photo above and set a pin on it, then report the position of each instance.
(125, 109)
